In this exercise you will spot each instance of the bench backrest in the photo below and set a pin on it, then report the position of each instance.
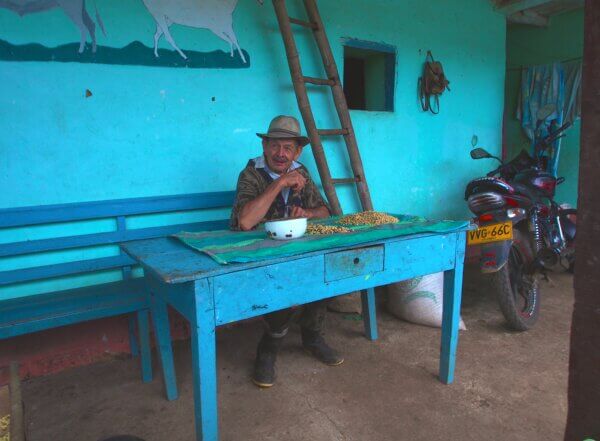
(119, 210)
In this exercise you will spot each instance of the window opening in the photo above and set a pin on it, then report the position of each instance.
(369, 75)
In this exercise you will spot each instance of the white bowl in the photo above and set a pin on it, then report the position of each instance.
(286, 229)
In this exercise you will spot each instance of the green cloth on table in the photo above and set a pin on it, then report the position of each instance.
(226, 246)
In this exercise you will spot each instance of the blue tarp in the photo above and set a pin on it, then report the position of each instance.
(557, 84)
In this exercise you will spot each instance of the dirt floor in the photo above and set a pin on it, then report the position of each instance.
(509, 386)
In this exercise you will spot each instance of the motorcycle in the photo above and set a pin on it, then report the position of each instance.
(521, 231)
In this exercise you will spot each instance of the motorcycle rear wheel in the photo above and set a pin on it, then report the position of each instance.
(516, 287)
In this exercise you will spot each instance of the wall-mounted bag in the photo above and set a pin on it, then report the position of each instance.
(432, 84)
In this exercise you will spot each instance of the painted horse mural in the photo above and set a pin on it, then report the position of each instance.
(75, 10)
(214, 15)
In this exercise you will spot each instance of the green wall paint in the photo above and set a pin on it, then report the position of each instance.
(530, 46)
(375, 74)
(157, 130)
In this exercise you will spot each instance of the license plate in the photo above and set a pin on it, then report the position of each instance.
(490, 233)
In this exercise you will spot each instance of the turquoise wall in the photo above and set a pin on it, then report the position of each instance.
(157, 130)
(530, 46)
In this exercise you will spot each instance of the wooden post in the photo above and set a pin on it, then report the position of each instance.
(583, 419)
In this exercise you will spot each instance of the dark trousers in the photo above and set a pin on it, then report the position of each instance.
(311, 318)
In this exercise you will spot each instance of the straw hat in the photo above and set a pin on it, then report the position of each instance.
(285, 127)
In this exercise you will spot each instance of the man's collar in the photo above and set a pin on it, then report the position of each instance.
(260, 162)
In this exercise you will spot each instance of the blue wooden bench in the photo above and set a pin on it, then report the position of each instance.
(22, 314)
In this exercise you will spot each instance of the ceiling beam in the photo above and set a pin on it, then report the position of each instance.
(529, 18)
(519, 6)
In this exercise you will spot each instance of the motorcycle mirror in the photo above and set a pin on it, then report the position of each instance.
(480, 153)
(545, 111)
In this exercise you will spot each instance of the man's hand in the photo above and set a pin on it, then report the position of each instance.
(293, 180)
(299, 212)
(255, 210)
(310, 213)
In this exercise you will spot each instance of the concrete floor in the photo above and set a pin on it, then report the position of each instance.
(509, 386)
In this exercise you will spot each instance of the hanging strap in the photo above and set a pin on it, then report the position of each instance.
(425, 99)
(424, 88)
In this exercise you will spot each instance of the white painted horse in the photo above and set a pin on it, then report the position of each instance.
(74, 9)
(214, 15)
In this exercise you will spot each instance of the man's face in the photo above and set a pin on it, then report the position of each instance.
(280, 153)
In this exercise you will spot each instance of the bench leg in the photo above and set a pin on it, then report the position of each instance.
(450, 322)
(369, 313)
(133, 344)
(144, 333)
(160, 318)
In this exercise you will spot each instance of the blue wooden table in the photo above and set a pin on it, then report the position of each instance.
(209, 295)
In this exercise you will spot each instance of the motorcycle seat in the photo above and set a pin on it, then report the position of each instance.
(525, 191)
(488, 184)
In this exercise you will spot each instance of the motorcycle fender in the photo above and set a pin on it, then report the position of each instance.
(494, 256)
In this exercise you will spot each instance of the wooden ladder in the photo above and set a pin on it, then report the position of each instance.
(333, 80)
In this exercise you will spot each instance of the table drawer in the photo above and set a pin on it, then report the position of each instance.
(352, 263)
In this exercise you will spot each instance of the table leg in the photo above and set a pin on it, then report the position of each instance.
(133, 344)
(369, 313)
(451, 314)
(144, 333)
(204, 365)
(162, 333)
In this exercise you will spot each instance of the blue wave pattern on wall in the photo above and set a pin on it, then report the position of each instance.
(135, 53)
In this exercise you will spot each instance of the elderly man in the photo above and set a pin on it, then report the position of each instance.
(270, 187)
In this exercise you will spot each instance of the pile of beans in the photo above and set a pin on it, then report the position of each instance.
(325, 229)
(368, 218)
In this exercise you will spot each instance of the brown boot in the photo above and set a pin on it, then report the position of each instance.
(315, 345)
(266, 355)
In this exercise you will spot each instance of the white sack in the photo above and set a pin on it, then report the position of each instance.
(419, 300)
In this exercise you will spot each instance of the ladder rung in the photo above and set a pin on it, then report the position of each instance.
(319, 81)
(306, 24)
(333, 132)
(345, 181)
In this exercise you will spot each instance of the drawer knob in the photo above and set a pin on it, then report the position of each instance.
(352, 263)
